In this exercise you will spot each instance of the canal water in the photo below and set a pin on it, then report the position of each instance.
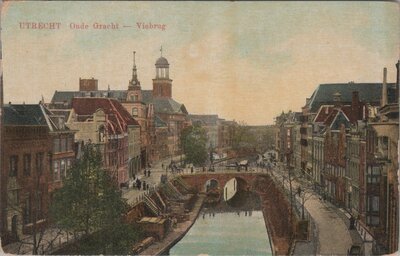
(226, 233)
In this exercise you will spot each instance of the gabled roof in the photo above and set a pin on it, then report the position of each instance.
(339, 118)
(368, 92)
(118, 117)
(33, 115)
(67, 96)
(24, 114)
(323, 113)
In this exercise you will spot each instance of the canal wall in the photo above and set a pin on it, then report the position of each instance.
(162, 247)
(276, 210)
(275, 205)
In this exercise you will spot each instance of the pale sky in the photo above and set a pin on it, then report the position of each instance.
(246, 61)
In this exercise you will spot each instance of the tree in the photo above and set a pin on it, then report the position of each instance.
(90, 202)
(194, 141)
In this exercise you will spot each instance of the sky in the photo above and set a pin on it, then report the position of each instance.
(246, 61)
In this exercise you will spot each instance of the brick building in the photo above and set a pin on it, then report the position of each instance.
(106, 123)
(35, 140)
(349, 146)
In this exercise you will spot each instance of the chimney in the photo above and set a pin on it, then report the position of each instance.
(384, 88)
(355, 106)
(87, 85)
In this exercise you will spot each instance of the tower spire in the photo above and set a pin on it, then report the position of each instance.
(134, 81)
(161, 50)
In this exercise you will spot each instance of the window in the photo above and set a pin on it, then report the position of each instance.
(56, 145)
(69, 164)
(70, 143)
(62, 168)
(373, 204)
(56, 170)
(134, 111)
(373, 174)
(39, 162)
(27, 164)
(63, 145)
(101, 133)
(373, 210)
(13, 166)
(14, 197)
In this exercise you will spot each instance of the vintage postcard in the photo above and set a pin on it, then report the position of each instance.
(199, 128)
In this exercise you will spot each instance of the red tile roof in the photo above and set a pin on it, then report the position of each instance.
(323, 113)
(117, 116)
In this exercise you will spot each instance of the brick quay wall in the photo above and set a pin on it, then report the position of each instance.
(275, 204)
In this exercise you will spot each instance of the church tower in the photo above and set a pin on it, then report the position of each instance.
(162, 85)
(134, 90)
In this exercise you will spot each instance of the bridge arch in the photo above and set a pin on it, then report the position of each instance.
(211, 184)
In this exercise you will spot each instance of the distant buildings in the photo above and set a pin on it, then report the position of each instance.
(345, 140)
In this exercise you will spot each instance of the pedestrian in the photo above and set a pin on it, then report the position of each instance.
(148, 173)
(162, 166)
(191, 169)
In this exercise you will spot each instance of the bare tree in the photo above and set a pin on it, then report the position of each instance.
(31, 210)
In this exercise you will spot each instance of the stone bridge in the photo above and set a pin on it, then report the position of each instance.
(245, 181)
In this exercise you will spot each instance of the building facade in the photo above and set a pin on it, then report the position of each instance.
(106, 122)
(31, 148)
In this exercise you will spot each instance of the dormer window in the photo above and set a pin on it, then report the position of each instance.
(134, 112)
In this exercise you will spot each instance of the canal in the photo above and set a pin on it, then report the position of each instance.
(227, 229)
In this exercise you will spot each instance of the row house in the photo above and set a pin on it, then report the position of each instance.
(287, 137)
(331, 128)
(354, 154)
(382, 195)
(37, 151)
(106, 123)
(369, 93)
